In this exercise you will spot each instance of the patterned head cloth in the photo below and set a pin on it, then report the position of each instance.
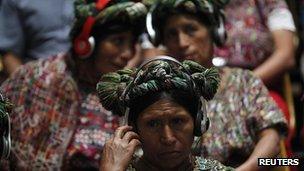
(157, 76)
(191, 5)
(118, 11)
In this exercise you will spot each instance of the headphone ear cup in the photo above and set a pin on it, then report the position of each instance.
(84, 48)
(6, 148)
(197, 125)
(157, 39)
(206, 125)
(153, 32)
(2, 147)
(202, 123)
(5, 141)
(8, 140)
(219, 32)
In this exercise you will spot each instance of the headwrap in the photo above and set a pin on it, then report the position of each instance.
(204, 5)
(155, 77)
(124, 11)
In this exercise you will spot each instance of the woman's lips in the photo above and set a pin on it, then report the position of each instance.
(190, 57)
(170, 154)
(120, 66)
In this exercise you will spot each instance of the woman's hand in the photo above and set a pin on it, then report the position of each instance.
(268, 146)
(281, 60)
(118, 151)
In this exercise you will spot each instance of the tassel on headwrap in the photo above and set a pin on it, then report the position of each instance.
(111, 86)
(155, 77)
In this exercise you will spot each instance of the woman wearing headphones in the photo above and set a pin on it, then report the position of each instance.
(245, 122)
(58, 120)
(162, 103)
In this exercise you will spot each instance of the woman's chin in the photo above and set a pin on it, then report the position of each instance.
(171, 161)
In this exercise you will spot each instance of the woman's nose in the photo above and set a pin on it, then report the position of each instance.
(183, 41)
(127, 54)
(168, 137)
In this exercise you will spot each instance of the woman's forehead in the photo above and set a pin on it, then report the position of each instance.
(182, 19)
(163, 107)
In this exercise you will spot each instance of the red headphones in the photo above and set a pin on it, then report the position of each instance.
(84, 43)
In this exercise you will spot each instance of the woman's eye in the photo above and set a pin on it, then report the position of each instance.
(153, 123)
(177, 121)
(118, 41)
(170, 35)
(190, 30)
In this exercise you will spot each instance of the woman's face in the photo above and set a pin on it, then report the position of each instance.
(114, 52)
(186, 38)
(166, 133)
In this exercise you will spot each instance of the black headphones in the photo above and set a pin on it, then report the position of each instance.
(5, 128)
(219, 33)
(201, 116)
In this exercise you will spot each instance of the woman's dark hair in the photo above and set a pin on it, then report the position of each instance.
(186, 99)
(99, 32)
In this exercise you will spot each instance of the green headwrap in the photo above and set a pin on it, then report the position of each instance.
(171, 4)
(125, 11)
(155, 77)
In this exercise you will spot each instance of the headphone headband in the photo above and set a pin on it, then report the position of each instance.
(149, 25)
(90, 21)
(101, 4)
(161, 57)
(87, 28)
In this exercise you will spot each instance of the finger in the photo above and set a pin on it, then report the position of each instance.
(130, 135)
(109, 141)
(120, 131)
(134, 143)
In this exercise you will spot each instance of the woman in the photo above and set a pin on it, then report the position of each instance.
(59, 123)
(246, 123)
(162, 104)
(261, 37)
